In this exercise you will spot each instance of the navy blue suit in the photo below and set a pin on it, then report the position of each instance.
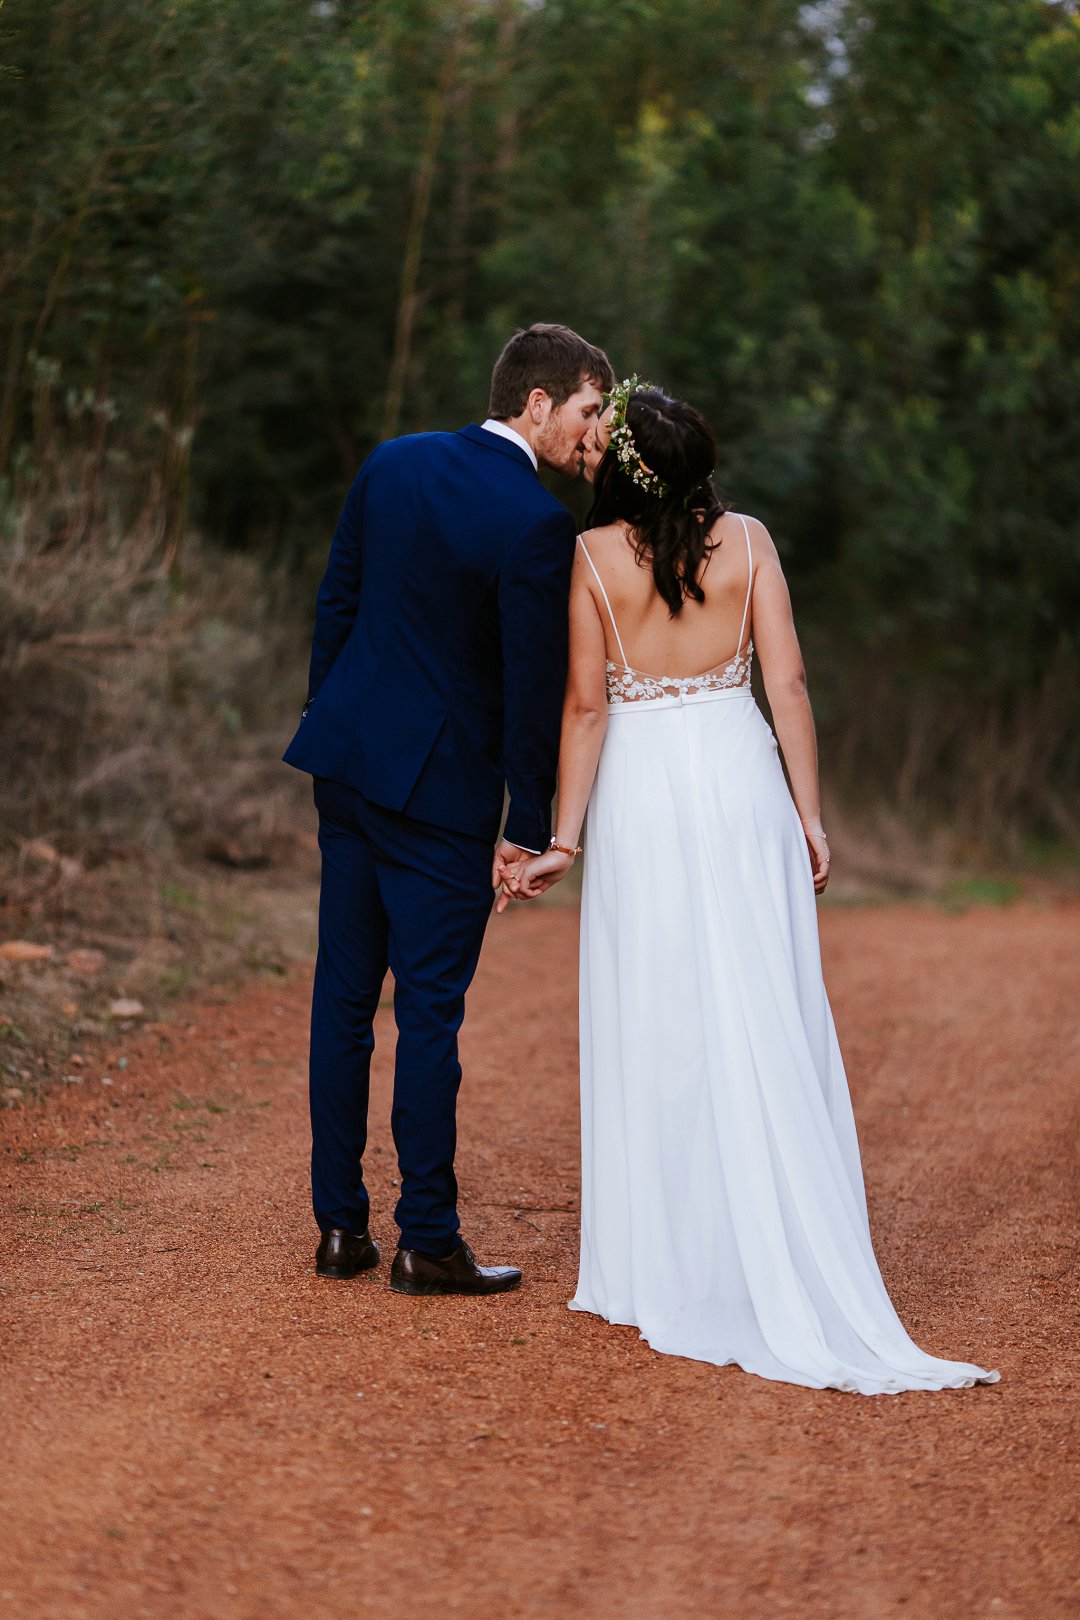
(437, 674)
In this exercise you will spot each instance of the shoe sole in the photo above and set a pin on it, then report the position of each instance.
(343, 1273)
(433, 1291)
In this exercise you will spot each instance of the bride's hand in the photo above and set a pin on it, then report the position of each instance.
(524, 880)
(818, 845)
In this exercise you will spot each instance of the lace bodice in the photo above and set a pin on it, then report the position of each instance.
(625, 684)
(634, 686)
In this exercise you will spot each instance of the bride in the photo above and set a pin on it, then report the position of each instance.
(723, 1210)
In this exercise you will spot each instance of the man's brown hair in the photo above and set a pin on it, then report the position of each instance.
(553, 358)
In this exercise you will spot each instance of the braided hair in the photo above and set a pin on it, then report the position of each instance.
(669, 530)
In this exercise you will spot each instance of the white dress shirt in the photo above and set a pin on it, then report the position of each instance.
(504, 432)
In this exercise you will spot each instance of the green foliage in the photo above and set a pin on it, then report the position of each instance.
(269, 234)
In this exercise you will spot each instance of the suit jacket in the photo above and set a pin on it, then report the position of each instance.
(441, 637)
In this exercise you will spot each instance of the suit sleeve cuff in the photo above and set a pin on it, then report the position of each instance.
(526, 831)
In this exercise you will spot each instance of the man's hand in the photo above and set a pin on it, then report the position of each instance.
(506, 856)
(532, 875)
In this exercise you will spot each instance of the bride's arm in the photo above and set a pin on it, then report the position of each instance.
(584, 708)
(584, 718)
(777, 648)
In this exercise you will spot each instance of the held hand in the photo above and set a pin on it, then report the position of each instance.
(531, 877)
(506, 855)
(818, 845)
(512, 875)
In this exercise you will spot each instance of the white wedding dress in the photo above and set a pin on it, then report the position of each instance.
(723, 1210)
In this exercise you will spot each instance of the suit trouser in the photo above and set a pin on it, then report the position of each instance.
(402, 894)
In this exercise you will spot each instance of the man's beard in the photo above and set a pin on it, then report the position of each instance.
(568, 462)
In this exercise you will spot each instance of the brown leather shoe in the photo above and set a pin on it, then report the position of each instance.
(458, 1273)
(343, 1254)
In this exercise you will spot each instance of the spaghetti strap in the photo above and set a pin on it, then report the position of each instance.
(749, 582)
(607, 601)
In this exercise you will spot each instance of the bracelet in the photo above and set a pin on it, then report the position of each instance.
(563, 849)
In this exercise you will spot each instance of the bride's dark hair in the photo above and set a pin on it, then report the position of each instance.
(670, 530)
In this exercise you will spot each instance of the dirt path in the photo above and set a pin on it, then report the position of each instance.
(195, 1426)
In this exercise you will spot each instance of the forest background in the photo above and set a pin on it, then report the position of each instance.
(242, 242)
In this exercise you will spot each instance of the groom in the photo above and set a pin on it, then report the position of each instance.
(437, 675)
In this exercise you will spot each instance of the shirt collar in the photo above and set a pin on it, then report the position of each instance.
(504, 432)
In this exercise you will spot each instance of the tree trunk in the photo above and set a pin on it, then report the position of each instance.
(180, 431)
(409, 296)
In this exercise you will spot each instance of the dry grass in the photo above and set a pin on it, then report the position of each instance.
(968, 773)
(145, 698)
(140, 710)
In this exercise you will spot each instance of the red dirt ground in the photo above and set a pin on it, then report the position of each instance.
(195, 1426)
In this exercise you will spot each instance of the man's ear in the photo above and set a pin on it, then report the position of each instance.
(537, 405)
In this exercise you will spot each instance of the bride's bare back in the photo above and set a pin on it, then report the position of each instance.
(704, 638)
(614, 600)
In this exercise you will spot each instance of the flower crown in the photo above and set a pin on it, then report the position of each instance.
(622, 440)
